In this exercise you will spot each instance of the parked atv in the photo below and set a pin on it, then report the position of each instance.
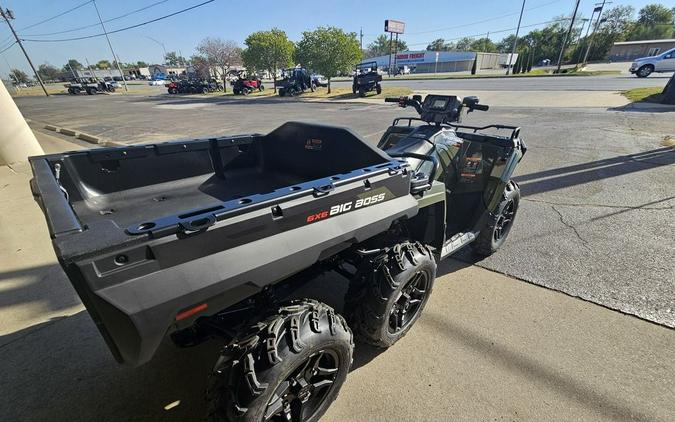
(294, 81)
(245, 86)
(208, 238)
(366, 79)
(89, 86)
(193, 86)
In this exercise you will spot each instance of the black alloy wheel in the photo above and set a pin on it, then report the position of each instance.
(300, 395)
(409, 303)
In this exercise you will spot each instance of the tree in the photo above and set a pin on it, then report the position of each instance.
(220, 53)
(440, 45)
(329, 51)
(103, 64)
(48, 72)
(616, 26)
(141, 64)
(201, 66)
(506, 44)
(173, 59)
(464, 44)
(484, 45)
(18, 76)
(655, 21)
(268, 51)
(380, 47)
(74, 64)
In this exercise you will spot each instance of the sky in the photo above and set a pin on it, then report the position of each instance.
(234, 20)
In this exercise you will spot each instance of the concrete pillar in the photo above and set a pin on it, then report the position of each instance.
(17, 141)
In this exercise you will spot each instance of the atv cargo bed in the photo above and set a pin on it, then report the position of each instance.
(147, 232)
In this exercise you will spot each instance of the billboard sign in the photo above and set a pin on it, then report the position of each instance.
(396, 27)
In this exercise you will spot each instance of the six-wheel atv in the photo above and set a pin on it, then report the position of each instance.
(366, 79)
(245, 86)
(206, 238)
(294, 81)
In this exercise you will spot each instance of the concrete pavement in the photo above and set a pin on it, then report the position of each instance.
(488, 347)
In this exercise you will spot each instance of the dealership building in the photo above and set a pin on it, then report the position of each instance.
(442, 61)
(630, 50)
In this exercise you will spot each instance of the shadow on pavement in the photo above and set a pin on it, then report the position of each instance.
(45, 285)
(528, 365)
(578, 174)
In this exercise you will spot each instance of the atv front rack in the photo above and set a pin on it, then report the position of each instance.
(515, 130)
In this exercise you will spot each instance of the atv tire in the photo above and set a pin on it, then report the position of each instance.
(354, 89)
(378, 89)
(294, 361)
(384, 302)
(282, 92)
(494, 234)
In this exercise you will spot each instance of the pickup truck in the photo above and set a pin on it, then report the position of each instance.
(203, 238)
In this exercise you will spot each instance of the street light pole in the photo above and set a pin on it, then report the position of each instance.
(595, 28)
(117, 60)
(161, 44)
(7, 14)
(515, 40)
(567, 35)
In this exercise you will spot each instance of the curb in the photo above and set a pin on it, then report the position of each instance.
(92, 139)
(68, 132)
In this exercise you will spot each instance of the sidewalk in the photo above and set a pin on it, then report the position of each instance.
(538, 99)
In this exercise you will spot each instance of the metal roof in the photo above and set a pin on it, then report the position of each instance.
(645, 42)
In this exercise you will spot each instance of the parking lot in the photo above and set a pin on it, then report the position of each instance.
(595, 223)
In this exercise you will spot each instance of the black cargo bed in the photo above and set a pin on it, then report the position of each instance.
(150, 231)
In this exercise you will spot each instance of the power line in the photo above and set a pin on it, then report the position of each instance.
(7, 48)
(481, 21)
(126, 28)
(56, 16)
(96, 24)
(496, 32)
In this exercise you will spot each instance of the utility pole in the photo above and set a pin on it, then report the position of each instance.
(586, 36)
(515, 40)
(163, 48)
(391, 38)
(8, 15)
(361, 38)
(595, 28)
(567, 35)
(115, 58)
(395, 53)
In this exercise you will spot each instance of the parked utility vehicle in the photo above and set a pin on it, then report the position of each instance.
(89, 86)
(294, 81)
(204, 238)
(245, 86)
(366, 79)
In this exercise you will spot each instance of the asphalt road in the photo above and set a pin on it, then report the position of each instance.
(598, 185)
(558, 83)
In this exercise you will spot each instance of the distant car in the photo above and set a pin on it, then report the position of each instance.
(117, 78)
(156, 82)
(319, 80)
(645, 66)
